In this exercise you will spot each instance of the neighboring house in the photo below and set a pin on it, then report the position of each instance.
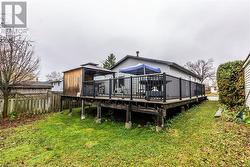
(169, 68)
(57, 86)
(213, 89)
(246, 68)
(32, 88)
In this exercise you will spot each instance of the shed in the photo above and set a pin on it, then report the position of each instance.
(73, 78)
(246, 68)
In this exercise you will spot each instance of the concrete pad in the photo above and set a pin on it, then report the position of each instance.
(83, 117)
(128, 125)
(158, 128)
(98, 121)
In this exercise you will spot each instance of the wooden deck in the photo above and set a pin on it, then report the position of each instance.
(154, 107)
(153, 94)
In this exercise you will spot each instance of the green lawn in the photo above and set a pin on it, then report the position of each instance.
(194, 138)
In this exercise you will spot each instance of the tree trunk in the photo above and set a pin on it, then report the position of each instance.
(5, 105)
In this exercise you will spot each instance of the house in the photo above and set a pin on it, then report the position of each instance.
(167, 67)
(214, 89)
(246, 68)
(57, 86)
(73, 79)
(174, 72)
(134, 84)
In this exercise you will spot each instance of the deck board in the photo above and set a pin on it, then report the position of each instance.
(138, 105)
(137, 100)
(169, 101)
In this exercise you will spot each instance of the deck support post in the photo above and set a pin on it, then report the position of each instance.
(160, 120)
(99, 114)
(128, 123)
(83, 116)
(183, 108)
(70, 107)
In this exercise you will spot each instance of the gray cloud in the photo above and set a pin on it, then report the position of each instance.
(68, 33)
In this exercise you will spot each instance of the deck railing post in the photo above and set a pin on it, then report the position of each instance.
(204, 90)
(164, 87)
(200, 89)
(196, 88)
(82, 88)
(93, 88)
(110, 88)
(180, 88)
(131, 88)
(190, 89)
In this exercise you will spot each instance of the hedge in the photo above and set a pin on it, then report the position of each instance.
(230, 80)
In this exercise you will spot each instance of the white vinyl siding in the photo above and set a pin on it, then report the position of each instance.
(164, 68)
(247, 84)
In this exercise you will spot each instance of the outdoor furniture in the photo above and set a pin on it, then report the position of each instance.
(153, 82)
(101, 89)
(140, 69)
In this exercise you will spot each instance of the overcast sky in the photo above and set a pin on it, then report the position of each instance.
(69, 33)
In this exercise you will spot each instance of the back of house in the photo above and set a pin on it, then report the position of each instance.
(167, 67)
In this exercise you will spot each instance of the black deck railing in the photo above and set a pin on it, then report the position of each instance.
(150, 87)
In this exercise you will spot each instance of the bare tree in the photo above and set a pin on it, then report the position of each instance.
(54, 76)
(204, 69)
(17, 63)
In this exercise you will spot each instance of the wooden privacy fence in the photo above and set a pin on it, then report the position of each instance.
(33, 104)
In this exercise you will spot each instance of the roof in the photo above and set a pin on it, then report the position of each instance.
(72, 69)
(34, 85)
(55, 81)
(90, 63)
(93, 68)
(172, 64)
(247, 61)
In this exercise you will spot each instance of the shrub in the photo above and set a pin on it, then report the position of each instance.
(230, 79)
(12, 116)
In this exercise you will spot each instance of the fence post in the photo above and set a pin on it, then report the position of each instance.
(110, 88)
(164, 87)
(93, 88)
(180, 88)
(190, 89)
(61, 103)
(131, 88)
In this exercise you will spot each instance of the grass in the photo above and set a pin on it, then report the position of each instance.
(193, 138)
